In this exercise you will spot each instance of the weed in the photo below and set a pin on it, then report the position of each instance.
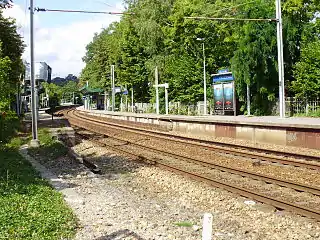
(184, 224)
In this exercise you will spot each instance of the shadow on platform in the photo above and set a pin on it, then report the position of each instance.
(121, 234)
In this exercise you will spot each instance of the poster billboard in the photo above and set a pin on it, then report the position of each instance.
(218, 96)
(228, 96)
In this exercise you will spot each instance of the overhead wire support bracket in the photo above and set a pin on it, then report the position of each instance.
(81, 11)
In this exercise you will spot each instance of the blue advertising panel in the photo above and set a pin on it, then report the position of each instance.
(228, 96)
(218, 96)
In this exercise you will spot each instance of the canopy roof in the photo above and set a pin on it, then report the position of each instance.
(87, 90)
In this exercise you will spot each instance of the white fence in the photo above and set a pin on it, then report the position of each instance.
(177, 108)
(302, 106)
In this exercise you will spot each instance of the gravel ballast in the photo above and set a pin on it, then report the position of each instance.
(132, 200)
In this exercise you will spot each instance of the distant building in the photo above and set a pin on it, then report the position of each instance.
(43, 73)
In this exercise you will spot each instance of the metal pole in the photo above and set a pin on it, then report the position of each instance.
(222, 85)
(280, 59)
(167, 100)
(132, 104)
(121, 103)
(157, 89)
(204, 83)
(127, 99)
(105, 100)
(113, 93)
(248, 100)
(34, 141)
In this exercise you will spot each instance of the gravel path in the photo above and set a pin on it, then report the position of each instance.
(130, 200)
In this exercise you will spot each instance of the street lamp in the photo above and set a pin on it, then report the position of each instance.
(34, 142)
(204, 78)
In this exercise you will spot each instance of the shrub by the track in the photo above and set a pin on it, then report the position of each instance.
(29, 207)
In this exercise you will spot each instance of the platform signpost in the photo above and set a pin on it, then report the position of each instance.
(165, 86)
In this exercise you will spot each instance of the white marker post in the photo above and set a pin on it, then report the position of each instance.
(207, 226)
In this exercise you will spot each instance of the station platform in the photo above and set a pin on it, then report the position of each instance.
(294, 131)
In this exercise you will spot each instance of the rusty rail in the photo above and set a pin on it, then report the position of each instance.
(210, 145)
(244, 192)
(280, 204)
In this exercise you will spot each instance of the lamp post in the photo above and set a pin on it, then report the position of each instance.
(204, 78)
(34, 142)
(282, 103)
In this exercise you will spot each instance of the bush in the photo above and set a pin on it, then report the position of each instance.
(30, 208)
(9, 124)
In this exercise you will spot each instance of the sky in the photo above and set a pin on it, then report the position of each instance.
(61, 38)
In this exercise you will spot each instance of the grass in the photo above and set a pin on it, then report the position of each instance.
(314, 114)
(183, 224)
(50, 148)
(29, 207)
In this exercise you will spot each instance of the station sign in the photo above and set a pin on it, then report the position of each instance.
(223, 70)
(117, 89)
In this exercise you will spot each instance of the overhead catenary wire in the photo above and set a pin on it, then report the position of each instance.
(81, 11)
(234, 19)
(233, 7)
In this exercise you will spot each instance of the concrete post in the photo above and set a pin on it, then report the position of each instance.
(207, 226)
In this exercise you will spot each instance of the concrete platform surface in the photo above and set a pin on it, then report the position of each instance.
(275, 121)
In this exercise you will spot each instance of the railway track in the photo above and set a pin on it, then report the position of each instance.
(278, 203)
(226, 148)
(88, 124)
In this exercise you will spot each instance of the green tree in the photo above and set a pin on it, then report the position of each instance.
(159, 35)
(11, 48)
(307, 72)
(5, 64)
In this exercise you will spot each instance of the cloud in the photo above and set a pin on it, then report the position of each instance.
(61, 47)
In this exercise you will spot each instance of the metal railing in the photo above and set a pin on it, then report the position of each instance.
(296, 106)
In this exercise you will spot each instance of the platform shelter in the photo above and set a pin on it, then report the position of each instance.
(93, 98)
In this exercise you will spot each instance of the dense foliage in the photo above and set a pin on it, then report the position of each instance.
(157, 34)
(11, 49)
(63, 88)
(11, 69)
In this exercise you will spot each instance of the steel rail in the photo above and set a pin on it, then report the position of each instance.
(243, 173)
(278, 203)
(208, 145)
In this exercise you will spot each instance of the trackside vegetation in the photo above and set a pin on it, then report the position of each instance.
(158, 34)
(29, 207)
